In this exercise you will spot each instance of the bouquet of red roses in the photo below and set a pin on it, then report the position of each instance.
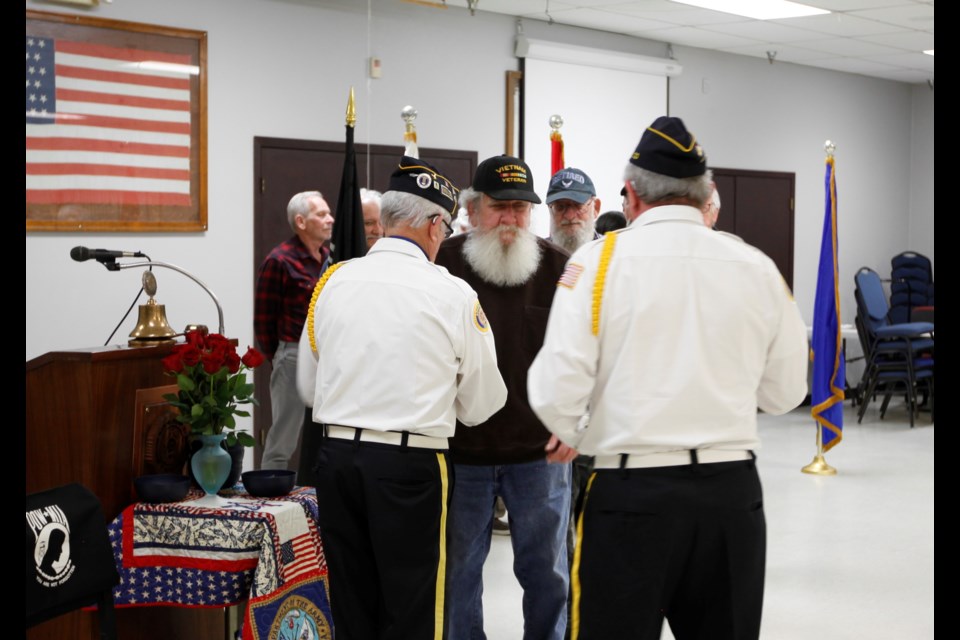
(212, 382)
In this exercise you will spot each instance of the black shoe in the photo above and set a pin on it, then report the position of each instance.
(500, 527)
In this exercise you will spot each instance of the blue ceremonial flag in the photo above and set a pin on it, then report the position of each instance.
(826, 350)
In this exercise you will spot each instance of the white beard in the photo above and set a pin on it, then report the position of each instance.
(570, 238)
(505, 266)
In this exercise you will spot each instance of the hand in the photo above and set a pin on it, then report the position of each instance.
(559, 452)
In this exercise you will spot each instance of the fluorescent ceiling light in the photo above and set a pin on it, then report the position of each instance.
(929, 52)
(758, 9)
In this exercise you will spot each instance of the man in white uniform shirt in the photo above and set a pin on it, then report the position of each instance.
(674, 336)
(395, 351)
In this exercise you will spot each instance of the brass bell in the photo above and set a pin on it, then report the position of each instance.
(152, 326)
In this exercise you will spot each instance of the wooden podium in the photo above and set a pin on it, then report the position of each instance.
(96, 416)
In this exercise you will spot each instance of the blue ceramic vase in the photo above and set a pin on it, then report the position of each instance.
(211, 464)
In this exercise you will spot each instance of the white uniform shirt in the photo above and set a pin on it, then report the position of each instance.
(402, 345)
(696, 330)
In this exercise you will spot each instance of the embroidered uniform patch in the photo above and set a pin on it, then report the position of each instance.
(570, 275)
(480, 318)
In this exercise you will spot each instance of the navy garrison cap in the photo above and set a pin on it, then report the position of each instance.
(667, 148)
(421, 179)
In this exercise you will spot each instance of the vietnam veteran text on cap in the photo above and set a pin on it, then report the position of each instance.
(505, 178)
(667, 148)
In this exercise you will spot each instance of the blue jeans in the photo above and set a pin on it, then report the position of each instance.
(537, 497)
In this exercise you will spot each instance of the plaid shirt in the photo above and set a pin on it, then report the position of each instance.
(284, 285)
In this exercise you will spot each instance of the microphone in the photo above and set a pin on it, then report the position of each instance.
(81, 254)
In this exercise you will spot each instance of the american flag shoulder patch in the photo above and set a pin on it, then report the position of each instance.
(570, 275)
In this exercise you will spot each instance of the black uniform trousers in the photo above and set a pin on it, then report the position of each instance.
(685, 543)
(382, 514)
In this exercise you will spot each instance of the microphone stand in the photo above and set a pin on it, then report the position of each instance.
(153, 263)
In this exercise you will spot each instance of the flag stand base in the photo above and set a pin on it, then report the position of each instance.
(819, 467)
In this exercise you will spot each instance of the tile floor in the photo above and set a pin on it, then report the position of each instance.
(849, 556)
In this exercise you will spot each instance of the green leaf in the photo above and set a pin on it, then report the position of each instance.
(245, 439)
(196, 411)
(185, 382)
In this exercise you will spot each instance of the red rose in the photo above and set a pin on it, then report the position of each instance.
(216, 341)
(213, 360)
(232, 360)
(173, 362)
(194, 338)
(190, 354)
(252, 358)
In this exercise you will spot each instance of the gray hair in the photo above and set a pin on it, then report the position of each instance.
(470, 196)
(299, 205)
(402, 208)
(369, 195)
(654, 188)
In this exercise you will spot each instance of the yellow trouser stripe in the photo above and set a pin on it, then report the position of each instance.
(442, 564)
(575, 570)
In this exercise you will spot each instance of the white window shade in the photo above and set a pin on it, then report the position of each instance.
(606, 100)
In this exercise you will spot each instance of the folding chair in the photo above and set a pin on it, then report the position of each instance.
(898, 356)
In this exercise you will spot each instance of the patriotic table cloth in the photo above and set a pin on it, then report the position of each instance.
(216, 551)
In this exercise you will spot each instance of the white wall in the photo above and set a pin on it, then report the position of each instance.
(283, 68)
(920, 214)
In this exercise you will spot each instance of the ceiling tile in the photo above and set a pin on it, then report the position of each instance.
(694, 37)
(766, 31)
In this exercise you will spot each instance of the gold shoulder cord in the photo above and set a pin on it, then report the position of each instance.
(609, 240)
(313, 302)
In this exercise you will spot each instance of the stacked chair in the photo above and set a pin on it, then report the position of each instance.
(911, 288)
(899, 356)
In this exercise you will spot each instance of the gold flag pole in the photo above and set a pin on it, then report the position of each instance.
(351, 120)
(819, 466)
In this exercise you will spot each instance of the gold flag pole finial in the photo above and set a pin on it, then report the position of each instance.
(351, 110)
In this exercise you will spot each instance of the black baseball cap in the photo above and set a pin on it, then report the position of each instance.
(505, 178)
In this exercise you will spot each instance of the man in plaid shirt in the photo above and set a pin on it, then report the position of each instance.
(285, 283)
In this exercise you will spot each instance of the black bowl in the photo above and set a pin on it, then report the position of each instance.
(162, 487)
(269, 483)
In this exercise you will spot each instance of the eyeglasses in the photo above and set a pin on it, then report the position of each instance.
(449, 230)
(561, 206)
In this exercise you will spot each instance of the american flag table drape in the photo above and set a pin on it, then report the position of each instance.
(187, 554)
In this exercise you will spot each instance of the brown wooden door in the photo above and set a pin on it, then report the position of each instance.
(758, 207)
(283, 167)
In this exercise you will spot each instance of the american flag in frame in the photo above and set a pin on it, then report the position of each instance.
(115, 125)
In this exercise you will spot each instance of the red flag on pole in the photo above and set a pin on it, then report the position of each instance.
(556, 152)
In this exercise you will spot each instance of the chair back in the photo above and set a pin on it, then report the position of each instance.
(69, 560)
(911, 285)
(870, 292)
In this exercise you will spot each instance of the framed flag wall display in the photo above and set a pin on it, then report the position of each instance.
(116, 124)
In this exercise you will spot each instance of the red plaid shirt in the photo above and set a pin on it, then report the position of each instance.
(284, 285)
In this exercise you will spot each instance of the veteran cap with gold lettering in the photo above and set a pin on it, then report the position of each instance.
(667, 148)
(421, 179)
(505, 178)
